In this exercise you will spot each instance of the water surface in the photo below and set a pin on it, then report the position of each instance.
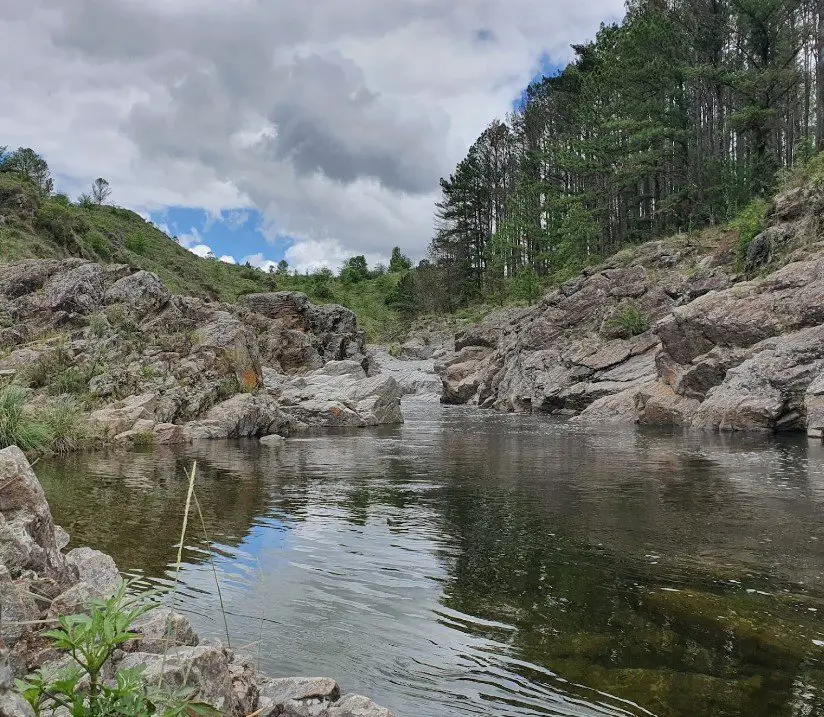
(471, 563)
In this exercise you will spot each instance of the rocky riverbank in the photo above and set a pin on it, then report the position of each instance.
(40, 580)
(149, 366)
(672, 332)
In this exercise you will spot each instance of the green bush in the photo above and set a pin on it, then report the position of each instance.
(99, 244)
(749, 223)
(18, 428)
(60, 223)
(136, 243)
(91, 640)
(628, 322)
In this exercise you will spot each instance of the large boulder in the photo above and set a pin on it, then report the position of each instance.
(76, 291)
(27, 532)
(141, 293)
(358, 706)
(291, 694)
(767, 392)
(12, 704)
(202, 668)
(244, 415)
(341, 394)
(17, 607)
(122, 415)
(290, 308)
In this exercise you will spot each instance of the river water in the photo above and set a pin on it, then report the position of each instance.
(472, 563)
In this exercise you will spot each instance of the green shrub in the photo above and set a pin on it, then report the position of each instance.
(90, 640)
(136, 243)
(60, 223)
(62, 418)
(628, 322)
(43, 371)
(18, 428)
(99, 244)
(749, 223)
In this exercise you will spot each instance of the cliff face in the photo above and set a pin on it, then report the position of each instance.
(668, 333)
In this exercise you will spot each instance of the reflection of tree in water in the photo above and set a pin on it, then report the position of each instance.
(598, 619)
(145, 495)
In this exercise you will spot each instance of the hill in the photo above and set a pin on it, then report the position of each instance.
(39, 225)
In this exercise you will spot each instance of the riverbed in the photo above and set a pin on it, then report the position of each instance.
(473, 563)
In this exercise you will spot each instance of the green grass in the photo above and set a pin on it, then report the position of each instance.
(48, 227)
(628, 322)
(55, 427)
(17, 428)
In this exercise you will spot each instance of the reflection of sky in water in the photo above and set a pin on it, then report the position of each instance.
(467, 562)
(316, 610)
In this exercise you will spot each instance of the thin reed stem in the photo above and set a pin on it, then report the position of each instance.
(177, 567)
(214, 571)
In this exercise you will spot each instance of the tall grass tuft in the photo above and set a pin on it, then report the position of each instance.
(29, 433)
(62, 417)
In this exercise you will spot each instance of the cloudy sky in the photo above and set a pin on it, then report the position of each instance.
(264, 129)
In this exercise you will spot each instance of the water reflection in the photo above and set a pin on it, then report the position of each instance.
(470, 563)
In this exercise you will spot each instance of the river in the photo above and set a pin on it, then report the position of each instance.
(473, 563)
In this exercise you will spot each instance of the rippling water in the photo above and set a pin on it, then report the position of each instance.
(471, 563)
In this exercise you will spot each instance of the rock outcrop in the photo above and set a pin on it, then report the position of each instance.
(667, 333)
(155, 360)
(39, 581)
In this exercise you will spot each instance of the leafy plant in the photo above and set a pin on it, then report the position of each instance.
(91, 640)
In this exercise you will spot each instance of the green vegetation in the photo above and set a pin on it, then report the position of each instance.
(670, 121)
(749, 223)
(628, 322)
(54, 427)
(91, 640)
(18, 429)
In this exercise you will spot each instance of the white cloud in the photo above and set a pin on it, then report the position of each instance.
(189, 240)
(226, 259)
(259, 262)
(333, 119)
(201, 250)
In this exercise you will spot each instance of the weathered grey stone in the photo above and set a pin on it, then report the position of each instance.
(17, 607)
(160, 630)
(330, 400)
(122, 415)
(814, 407)
(242, 416)
(140, 292)
(95, 568)
(273, 441)
(291, 308)
(27, 534)
(358, 706)
(78, 290)
(293, 694)
(166, 434)
(203, 668)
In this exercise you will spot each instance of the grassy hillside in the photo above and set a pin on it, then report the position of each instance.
(33, 225)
